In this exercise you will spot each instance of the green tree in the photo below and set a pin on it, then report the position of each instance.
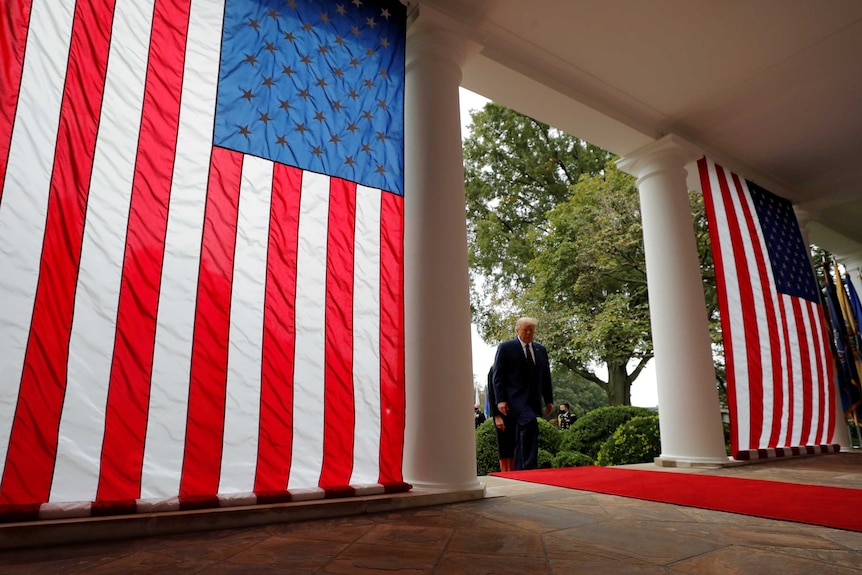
(590, 280)
(554, 231)
(582, 396)
(516, 170)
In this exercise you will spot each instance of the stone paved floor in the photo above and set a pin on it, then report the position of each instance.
(519, 528)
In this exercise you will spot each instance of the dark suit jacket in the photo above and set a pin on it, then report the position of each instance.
(526, 390)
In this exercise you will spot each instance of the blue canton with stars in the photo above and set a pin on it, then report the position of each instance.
(788, 254)
(316, 84)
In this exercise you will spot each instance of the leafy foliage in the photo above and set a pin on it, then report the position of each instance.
(516, 170)
(572, 459)
(634, 441)
(487, 455)
(589, 268)
(590, 431)
(581, 395)
(549, 437)
(525, 259)
(614, 435)
(544, 460)
(554, 232)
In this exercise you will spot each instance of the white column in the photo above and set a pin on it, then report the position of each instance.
(440, 445)
(689, 410)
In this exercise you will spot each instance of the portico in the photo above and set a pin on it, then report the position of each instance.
(658, 86)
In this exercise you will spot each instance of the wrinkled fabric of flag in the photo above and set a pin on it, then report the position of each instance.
(778, 361)
(201, 238)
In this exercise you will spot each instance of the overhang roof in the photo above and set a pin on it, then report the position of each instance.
(772, 89)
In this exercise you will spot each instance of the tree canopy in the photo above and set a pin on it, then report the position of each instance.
(516, 170)
(590, 282)
(582, 396)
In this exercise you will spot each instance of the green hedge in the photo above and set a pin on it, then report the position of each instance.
(592, 429)
(599, 437)
(550, 437)
(572, 459)
(487, 456)
(545, 460)
(634, 441)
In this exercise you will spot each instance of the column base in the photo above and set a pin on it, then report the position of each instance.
(447, 487)
(702, 462)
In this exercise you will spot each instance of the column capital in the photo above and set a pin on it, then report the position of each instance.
(668, 152)
(431, 33)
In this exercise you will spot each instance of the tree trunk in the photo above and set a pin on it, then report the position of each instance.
(619, 386)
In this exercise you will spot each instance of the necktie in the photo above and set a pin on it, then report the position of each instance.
(528, 349)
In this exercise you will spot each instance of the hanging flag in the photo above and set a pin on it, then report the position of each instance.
(855, 308)
(201, 238)
(851, 331)
(855, 303)
(845, 349)
(779, 367)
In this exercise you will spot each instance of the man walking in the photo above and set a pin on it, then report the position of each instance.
(523, 389)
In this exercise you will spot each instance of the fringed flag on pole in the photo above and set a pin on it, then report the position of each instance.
(201, 246)
(855, 305)
(779, 366)
(851, 398)
(845, 342)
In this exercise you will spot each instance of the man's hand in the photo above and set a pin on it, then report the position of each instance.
(498, 421)
(549, 407)
(503, 408)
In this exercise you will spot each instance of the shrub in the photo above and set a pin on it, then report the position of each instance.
(572, 459)
(550, 437)
(635, 441)
(545, 459)
(591, 430)
(487, 455)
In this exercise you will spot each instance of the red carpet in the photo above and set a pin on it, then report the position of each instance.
(827, 506)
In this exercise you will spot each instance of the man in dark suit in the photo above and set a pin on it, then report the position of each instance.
(522, 386)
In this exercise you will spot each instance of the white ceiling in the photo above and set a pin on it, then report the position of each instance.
(770, 88)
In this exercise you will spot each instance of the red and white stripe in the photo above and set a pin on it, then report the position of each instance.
(775, 452)
(777, 358)
(179, 322)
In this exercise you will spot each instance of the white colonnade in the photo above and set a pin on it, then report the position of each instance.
(440, 451)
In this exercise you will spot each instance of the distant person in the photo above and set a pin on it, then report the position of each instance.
(479, 415)
(566, 418)
(523, 389)
(505, 428)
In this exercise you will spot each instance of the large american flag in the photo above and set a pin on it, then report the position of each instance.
(201, 252)
(779, 365)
